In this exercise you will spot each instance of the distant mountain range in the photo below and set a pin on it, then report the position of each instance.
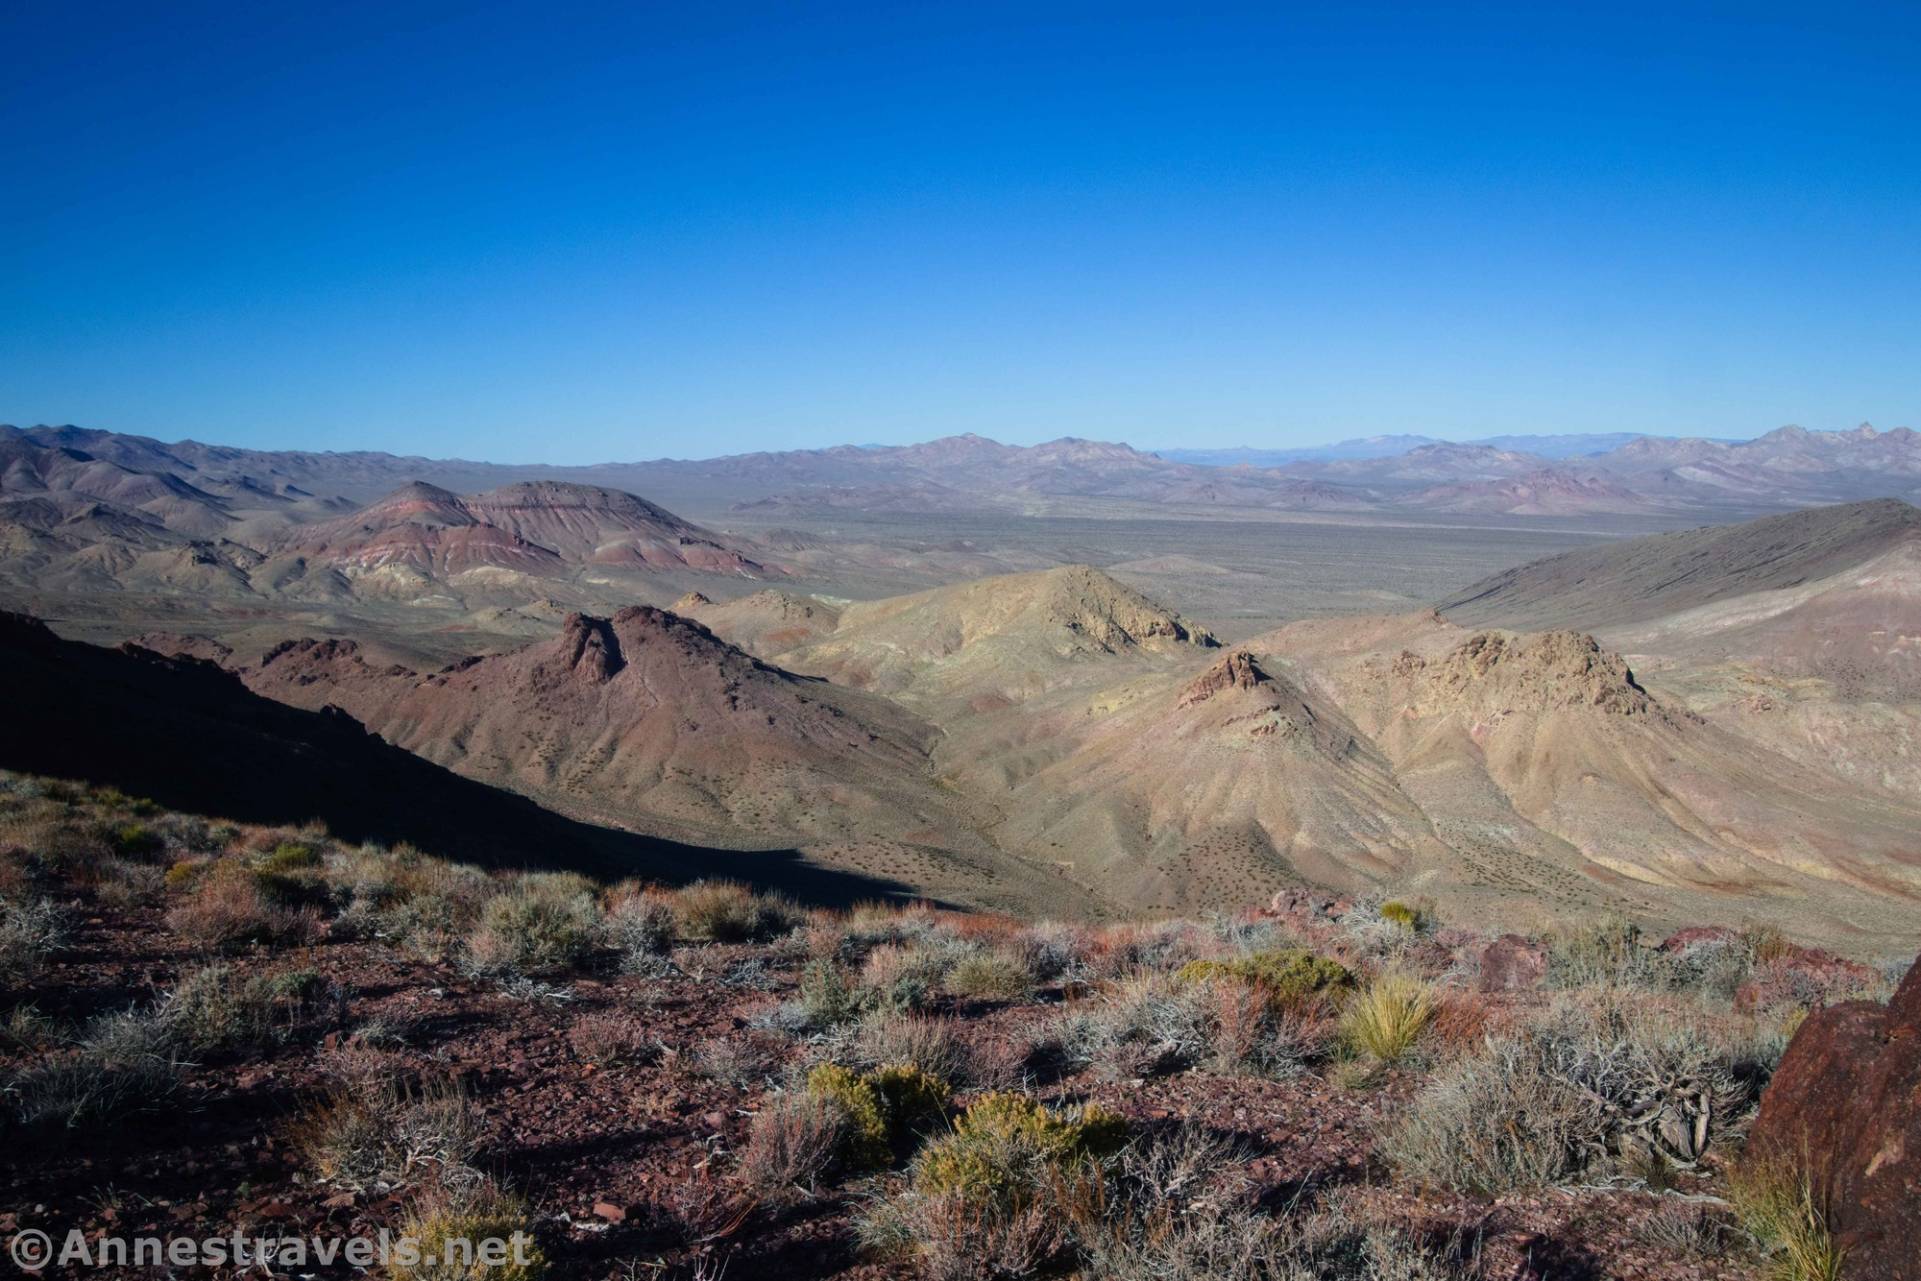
(1572, 445)
(86, 511)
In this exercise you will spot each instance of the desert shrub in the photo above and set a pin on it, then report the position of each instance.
(794, 1140)
(288, 858)
(122, 1064)
(737, 1061)
(1249, 1036)
(1775, 1202)
(1173, 1208)
(26, 1030)
(1005, 1146)
(897, 977)
(865, 1140)
(467, 1219)
(425, 905)
(930, 1044)
(991, 975)
(911, 1098)
(213, 1008)
(118, 882)
(376, 1129)
(640, 925)
(228, 904)
(610, 1038)
(825, 997)
(1717, 966)
(1148, 1023)
(1288, 977)
(1588, 1083)
(546, 922)
(1386, 1018)
(729, 912)
(1052, 951)
(1605, 951)
(30, 931)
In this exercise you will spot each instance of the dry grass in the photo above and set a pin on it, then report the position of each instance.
(1386, 1018)
(793, 1141)
(1775, 1200)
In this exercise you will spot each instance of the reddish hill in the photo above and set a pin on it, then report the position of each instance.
(646, 713)
(538, 527)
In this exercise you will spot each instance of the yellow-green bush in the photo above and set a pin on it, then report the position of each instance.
(1006, 1144)
(866, 1139)
(1286, 976)
(287, 858)
(475, 1219)
(910, 1096)
(1405, 915)
(1387, 1017)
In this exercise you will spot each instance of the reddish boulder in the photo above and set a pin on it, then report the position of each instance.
(1846, 1104)
(1512, 963)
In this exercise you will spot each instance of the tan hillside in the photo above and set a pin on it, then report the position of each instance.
(767, 623)
(1542, 757)
(1200, 791)
(1001, 638)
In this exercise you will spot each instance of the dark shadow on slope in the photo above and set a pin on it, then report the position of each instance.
(191, 737)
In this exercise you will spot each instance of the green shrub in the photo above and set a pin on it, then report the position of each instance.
(541, 924)
(137, 840)
(1006, 1145)
(467, 1219)
(1287, 976)
(991, 976)
(864, 1142)
(729, 912)
(287, 858)
(214, 1009)
(825, 998)
(910, 1097)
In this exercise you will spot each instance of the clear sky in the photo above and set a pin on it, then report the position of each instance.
(560, 232)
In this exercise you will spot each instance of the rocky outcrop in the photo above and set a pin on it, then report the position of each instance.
(1237, 670)
(1552, 669)
(1845, 1106)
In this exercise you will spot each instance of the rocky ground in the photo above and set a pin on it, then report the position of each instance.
(213, 1027)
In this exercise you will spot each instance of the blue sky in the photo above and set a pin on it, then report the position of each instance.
(573, 233)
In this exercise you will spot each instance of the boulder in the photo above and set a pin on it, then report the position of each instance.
(1513, 963)
(1845, 1105)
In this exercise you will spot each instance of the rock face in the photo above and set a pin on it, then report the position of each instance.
(1847, 1102)
(1552, 669)
(1237, 670)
